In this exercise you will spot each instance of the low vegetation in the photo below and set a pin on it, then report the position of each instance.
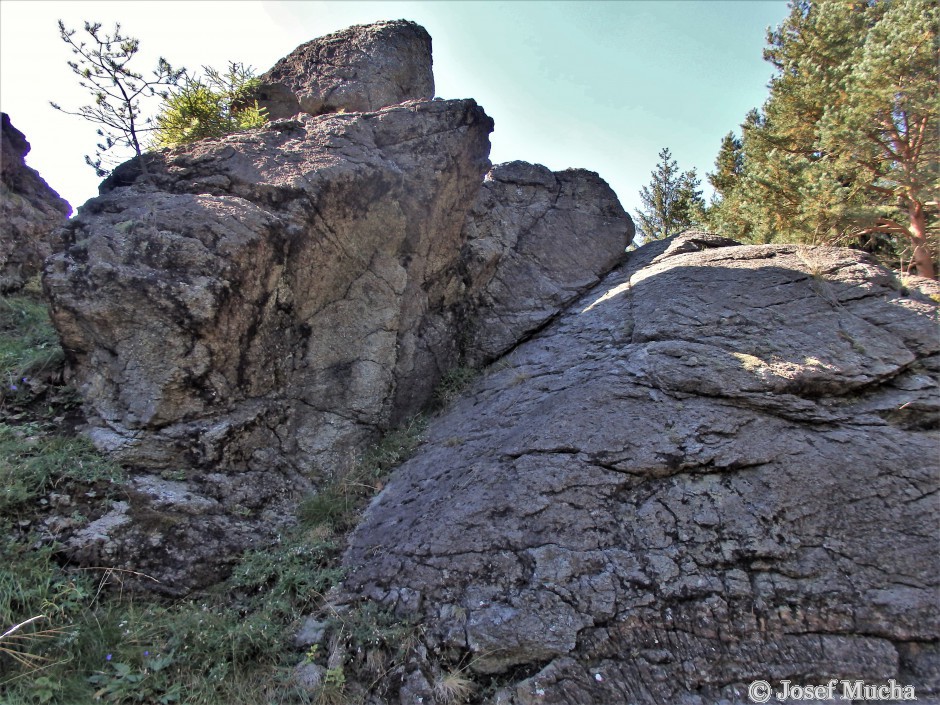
(71, 635)
(191, 107)
(211, 106)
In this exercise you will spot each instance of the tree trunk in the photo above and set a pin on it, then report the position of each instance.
(923, 259)
(140, 156)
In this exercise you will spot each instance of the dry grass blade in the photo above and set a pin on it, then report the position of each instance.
(13, 643)
(452, 688)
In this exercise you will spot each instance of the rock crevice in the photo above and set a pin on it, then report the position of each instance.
(266, 304)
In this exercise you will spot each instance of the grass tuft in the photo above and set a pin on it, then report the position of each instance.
(453, 384)
(29, 345)
(338, 504)
(452, 688)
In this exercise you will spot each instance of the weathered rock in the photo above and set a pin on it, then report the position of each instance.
(248, 318)
(248, 321)
(536, 240)
(29, 210)
(361, 68)
(718, 466)
(269, 284)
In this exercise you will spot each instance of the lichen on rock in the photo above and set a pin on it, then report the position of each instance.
(266, 304)
(361, 68)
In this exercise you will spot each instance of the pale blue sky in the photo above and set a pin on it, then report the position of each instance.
(598, 85)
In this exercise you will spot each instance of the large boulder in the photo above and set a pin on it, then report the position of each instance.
(718, 466)
(264, 297)
(536, 240)
(361, 68)
(244, 321)
(29, 210)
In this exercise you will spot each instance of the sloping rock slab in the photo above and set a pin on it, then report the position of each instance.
(361, 68)
(30, 212)
(712, 469)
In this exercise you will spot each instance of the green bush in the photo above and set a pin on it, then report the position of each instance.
(220, 104)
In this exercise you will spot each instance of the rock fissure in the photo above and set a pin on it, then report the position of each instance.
(703, 530)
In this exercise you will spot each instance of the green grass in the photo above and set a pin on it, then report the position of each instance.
(453, 384)
(29, 345)
(232, 644)
(35, 461)
(71, 636)
(338, 504)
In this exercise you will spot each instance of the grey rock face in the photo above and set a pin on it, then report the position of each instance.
(362, 68)
(30, 212)
(269, 285)
(245, 323)
(720, 465)
(536, 240)
(248, 318)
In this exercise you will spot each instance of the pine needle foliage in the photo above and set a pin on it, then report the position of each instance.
(845, 149)
(215, 105)
(103, 68)
(672, 202)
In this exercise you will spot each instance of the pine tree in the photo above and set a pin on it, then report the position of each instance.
(102, 67)
(728, 166)
(885, 139)
(722, 215)
(845, 149)
(216, 105)
(671, 202)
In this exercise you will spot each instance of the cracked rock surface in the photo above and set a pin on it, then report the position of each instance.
(361, 68)
(536, 240)
(30, 212)
(719, 465)
(243, 325)
(255, 315)
(267, 295)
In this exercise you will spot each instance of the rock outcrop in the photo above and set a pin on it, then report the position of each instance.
(360, 69)
(29, 210)
(273, 286)
(246, 320)
(720, 465)
(536, 240)
(242, 325)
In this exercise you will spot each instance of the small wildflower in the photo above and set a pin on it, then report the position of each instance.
(13, 387)
(146, 653)
(108, 657)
